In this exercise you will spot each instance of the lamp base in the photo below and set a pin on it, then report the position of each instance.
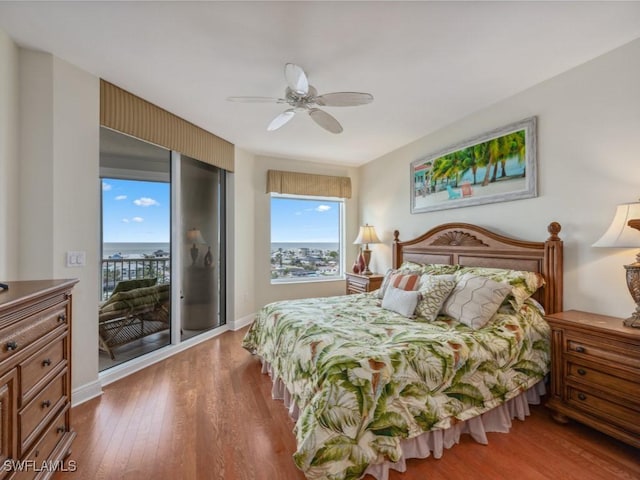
(633, 283)
(367, 258)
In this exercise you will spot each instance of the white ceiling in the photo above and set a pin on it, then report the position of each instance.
(426, 63)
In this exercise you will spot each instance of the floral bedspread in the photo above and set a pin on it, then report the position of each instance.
(364, 377)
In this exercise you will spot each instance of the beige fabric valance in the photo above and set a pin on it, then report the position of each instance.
(127, 113)
(295, 183)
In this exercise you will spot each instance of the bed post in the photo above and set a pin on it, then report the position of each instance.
(397, 251)
(553, 270)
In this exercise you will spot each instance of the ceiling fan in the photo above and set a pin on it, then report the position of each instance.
(302, 97)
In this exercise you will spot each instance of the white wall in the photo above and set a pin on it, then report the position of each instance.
(588, 162)
(59, 189)
(9, 118)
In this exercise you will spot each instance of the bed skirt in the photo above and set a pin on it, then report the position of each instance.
(433, 443)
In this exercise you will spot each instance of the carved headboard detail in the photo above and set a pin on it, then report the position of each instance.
(471, 245)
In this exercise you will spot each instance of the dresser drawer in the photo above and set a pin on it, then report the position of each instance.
(597, 349)
(16, 337)
(33, 418)
(606, 407)
(42, 450)
(605, 378)
(40, 365)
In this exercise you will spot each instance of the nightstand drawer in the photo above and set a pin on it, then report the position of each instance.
(606, 408)
(605, 378)
(597, 349)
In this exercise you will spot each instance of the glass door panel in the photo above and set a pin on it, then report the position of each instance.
(202, 258)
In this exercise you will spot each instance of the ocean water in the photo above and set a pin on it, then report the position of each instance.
(132, 249)
(311, 245)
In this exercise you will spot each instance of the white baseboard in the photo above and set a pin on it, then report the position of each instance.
(86, 392)
(242, 322)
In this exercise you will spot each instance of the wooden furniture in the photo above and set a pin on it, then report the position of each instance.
(363, 283)
(35, 375)
(595, 373)
(472, 246)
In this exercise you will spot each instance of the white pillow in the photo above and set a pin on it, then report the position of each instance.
(400, 301)
(474, 300)
(434, 290)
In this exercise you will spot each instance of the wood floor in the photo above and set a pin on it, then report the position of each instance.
(207, 413)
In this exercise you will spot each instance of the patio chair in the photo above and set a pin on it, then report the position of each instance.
(452, 193)
(466, 189)
(136, 308)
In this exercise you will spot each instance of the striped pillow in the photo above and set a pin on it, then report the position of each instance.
(405, 281)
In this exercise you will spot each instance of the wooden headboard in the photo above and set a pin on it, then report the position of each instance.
(473, 246)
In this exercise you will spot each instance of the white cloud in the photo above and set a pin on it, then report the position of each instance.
(121, 197)
(145, 202)
(137, 219)
(323, 208)
(106, 187)
(125, 220)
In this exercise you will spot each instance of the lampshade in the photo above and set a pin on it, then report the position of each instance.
(366, 235)
(194, 236)
(620, 234)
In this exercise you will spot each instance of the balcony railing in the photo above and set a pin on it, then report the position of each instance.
(114, 270)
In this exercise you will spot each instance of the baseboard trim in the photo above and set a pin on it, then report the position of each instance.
(242, 322)
(86, 392)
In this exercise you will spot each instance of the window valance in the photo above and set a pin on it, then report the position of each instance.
(127, 113)
(295, 183)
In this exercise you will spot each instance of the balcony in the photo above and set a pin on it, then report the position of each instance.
(116, 269)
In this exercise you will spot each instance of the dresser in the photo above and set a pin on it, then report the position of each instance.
(363, 283)
(595, 373)
(35, 377)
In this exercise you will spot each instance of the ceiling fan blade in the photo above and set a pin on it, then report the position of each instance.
(296, 79)
(281, 119)
(256, 99)
(344, 99)
(325, 120)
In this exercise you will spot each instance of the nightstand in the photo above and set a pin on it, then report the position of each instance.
(363, 283)
(595, 373)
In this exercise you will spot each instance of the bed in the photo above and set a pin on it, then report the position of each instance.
(370, 388)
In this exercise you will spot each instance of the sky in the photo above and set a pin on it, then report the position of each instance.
(296, 220)
(135, 211)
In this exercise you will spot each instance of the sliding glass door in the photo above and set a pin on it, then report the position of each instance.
(202, 193)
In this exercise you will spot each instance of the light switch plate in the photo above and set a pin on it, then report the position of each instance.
(76, 259)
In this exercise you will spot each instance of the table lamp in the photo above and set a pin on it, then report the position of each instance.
(194, 236)
(624, 232)
(366, 235)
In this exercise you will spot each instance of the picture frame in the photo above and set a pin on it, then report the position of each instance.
(497, 166)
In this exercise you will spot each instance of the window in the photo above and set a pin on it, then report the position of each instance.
(306, 238)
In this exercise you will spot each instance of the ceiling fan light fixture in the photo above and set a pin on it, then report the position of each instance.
(304, 97)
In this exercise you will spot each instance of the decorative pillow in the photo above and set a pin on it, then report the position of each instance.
(126, 285)
(400, 301)
(434, 290)
(404, 281)
(474, 300)
(431, 268)
(523, 284)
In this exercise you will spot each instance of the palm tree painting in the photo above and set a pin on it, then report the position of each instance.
(494, 167)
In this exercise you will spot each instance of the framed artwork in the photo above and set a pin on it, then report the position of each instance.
(497, 166)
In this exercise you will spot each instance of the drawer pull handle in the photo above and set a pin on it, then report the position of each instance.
(60, 430)
(582, 396)
(46, 404)
(12, 345)
(580, 349)
(582, 371)
(62, 317)
(46, 362)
